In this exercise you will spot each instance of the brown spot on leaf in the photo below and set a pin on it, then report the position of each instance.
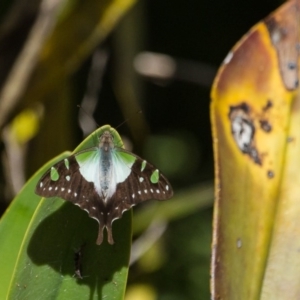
(265, 125)
(268, 105)
(270, 174)
(244, 64)
(284, 32)
(243, 130)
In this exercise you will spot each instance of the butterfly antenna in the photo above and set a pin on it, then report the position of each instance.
(85, 123)
(87, 114)
(126, 120)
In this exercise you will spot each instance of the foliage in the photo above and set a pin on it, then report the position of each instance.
(256, 127)
(56, 54)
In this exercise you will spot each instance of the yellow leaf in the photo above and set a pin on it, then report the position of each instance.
(255, 122)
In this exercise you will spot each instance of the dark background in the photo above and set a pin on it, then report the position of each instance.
(175, 117)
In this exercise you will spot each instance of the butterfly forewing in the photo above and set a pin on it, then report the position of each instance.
(64, 180)
(144, 182)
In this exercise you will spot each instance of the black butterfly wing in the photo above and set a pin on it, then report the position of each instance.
(64, 180)
(145, 182)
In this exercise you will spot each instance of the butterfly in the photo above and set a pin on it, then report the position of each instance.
(105, 181)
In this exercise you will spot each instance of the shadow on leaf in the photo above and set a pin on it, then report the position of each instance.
(61, 234)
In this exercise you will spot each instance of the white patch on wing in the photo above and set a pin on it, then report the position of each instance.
(122, 164)
(89, 163)
(91, 169)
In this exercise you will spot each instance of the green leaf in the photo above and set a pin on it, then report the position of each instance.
(40, 238)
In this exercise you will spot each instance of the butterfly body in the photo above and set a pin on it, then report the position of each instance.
(104, 181)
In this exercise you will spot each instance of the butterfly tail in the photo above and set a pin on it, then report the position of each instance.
(109, 234)
(100, 235)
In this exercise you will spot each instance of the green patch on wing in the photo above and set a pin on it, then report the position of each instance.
(54, 174)
(67, 163)
(125, 157)
(155, 176)
(144, 163)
